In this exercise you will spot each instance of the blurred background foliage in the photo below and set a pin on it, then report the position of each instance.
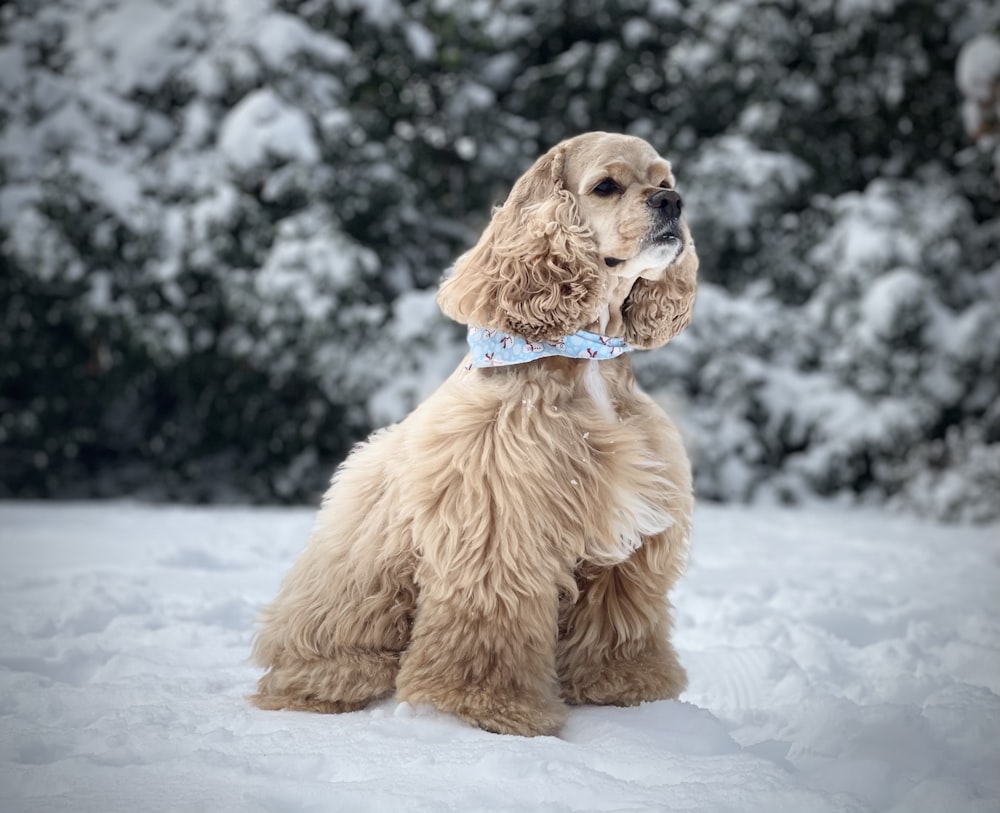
(222, 224)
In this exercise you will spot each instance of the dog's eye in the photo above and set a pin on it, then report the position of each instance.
(606, 188)
(664, 185)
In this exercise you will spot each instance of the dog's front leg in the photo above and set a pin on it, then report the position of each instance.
(484, 650)
(615, 647)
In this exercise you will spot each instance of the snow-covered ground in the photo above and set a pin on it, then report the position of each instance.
(840, 660)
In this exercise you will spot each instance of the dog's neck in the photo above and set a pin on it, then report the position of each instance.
(609, 320)
(649, 264)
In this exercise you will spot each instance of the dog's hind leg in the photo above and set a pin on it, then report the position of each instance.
(343, 662)
(332, 638)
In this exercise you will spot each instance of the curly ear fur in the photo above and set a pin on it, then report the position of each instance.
(655, 312)
(534, 272)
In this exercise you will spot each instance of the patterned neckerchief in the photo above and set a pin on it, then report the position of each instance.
(493, 348)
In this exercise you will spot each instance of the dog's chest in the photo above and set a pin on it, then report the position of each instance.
(597, 389)
(636, 483)
(594, 381)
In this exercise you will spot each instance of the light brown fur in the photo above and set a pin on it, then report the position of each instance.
(508, 547)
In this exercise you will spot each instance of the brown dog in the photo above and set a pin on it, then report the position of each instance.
(508, 547)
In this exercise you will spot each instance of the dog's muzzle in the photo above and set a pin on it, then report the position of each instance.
(666, 227)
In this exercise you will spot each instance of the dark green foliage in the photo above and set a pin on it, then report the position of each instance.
(221, 232)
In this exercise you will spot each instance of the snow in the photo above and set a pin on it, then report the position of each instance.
(839, 660)
(977, 69)
(865, 236)
(281, 38)
(262, 126)
(734, 176)
(888, 295)
(977, 74)
(849, 10)
(128, 44)
(418, 332)
(119, 188)
(420, 41)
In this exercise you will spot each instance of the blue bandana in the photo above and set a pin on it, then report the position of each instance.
(492, 348)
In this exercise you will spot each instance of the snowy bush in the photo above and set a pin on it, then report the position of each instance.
(222, 224)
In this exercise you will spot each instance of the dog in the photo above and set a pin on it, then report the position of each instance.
(507, 550)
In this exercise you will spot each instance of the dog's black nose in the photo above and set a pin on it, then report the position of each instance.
(667, 201)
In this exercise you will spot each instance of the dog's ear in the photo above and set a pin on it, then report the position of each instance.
(656, 311)
(534, 272)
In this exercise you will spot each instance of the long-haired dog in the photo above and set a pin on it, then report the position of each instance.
(508, 548)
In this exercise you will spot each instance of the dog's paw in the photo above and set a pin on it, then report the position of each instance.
(651, 676)
(345, 681)
(523, 719)
(270, 702)
(499, 713)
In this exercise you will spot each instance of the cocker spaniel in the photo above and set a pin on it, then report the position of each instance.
(508, 548)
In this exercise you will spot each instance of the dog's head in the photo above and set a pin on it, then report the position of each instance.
(597, 214)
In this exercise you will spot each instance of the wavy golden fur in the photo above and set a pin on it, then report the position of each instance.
(508, 548)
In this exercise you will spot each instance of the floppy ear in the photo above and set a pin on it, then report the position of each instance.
(534, 272)
(656, 311)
